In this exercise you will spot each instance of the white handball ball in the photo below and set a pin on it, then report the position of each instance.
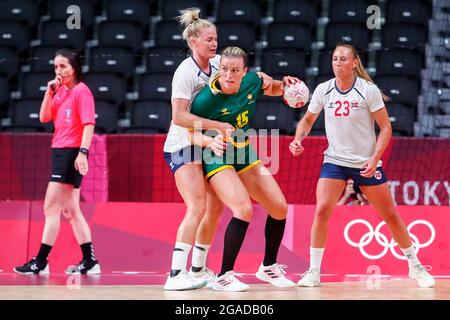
(296, 95)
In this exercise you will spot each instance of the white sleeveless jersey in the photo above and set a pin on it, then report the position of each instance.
(187, 82)
(349, 123)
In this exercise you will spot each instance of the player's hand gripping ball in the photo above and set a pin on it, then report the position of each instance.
(296, 95)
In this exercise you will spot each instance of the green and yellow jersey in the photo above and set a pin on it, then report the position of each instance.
(237, 110)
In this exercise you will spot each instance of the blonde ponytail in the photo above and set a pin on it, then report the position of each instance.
(192, 23)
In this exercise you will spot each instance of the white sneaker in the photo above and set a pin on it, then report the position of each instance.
(311, 278)
(183, 281)
(274, 274)
(420, 274)
(206, 274)
(229, 282)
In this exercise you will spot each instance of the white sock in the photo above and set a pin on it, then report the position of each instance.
(180, 255)
(199, 254)
(316, 255)
(410, 254)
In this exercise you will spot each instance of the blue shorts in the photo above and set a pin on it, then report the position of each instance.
(333, 171)
(177, 159)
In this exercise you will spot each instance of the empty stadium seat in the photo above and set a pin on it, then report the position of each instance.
(106, 86)
(164, 60)
(445, 107)
(240, 11)
(56, 33)
(289, 35)
(34, 85)
(129, 10)
(121, 34)
(25, 115)
(286, 62)
(237, 34)
(15, 35)
(274, 115)
(25, 11)
(402, 119)
(4, 89)
(400, 89)
(106, 116)
(403, 35)
(400, 61)
(439, 27)
(169, 34)
(298, 11)
(9, 62)
(150, 114)
(41, 59)
(408, 11)
(428, 102)
(154, 86)
(348, 11)
(117, 60)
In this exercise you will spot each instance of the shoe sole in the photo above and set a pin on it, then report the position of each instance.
(41, 273)
(199, 286)
(182, 289)
(94, 271)
(315, 285)
(261, 276)
(432, 286)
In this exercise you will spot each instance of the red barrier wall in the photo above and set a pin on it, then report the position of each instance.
(25, 163)
(131, 168)
(140, 237)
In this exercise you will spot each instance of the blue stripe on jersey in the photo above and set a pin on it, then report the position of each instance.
(353, 85)
(329, 91)
(360, 94)
(200, 69)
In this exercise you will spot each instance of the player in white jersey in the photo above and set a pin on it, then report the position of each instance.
(187, 81)
(184, 159)
(189, 78)
(351, 103)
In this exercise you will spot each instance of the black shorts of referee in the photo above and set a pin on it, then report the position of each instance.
(63, 166)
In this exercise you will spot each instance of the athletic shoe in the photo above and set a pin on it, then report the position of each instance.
(34, 266)
(206, 274)
(274, 274)
(420, 274)
(229, 282)
(311, 278)
(184, 281)
(84, 267)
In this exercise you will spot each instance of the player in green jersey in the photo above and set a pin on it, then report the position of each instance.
(238, 175)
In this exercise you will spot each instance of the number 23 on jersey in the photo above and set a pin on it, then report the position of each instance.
(342, 108)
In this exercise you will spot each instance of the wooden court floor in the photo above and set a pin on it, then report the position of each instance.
(138, 287)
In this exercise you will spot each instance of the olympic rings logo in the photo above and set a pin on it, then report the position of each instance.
(382, 240)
